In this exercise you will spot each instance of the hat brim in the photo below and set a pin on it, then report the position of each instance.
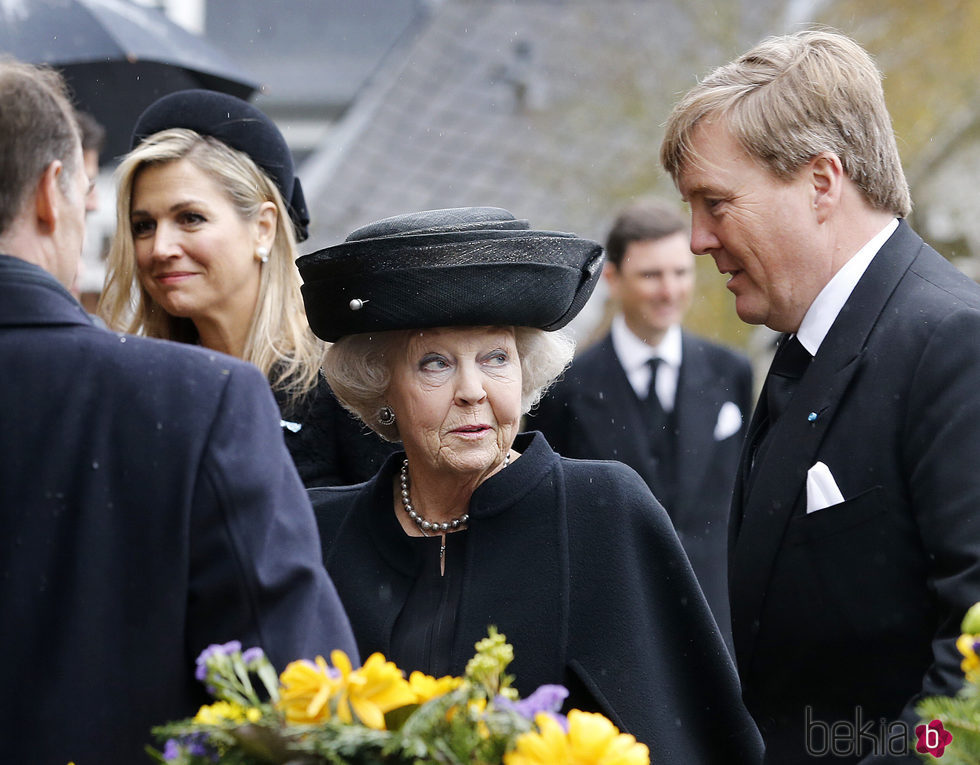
(480, 278)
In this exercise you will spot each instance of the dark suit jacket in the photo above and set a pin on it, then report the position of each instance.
(858, 604)
(609, 606)
(594, 413)
(149, 508)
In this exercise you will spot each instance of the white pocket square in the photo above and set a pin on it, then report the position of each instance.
(729, 421)
(292, 427)
(821, 489)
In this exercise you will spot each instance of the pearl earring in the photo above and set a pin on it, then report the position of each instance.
(262, 254)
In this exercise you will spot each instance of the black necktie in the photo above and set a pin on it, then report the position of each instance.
(661, 442)
(655, 411)
(788, 365)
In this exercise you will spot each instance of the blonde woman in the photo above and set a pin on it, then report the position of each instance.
(208, 215)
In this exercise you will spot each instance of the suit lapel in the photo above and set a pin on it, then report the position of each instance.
(607, 391)
(777, 491)
(759, 419)
(695, 420)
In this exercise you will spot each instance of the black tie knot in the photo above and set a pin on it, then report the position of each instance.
(791, 359)
(788, 366)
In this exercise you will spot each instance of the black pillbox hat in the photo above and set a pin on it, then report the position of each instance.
(239, 125)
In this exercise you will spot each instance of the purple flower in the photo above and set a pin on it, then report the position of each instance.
(215, 649)
(252, 656)
(171, 750)
(196, 744)
(547, 699)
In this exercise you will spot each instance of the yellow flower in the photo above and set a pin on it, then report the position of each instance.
(425, 687)
(591, 740)
(965, 645)
(375, 688)
(224, 711)
(546, 745)
(306, 688)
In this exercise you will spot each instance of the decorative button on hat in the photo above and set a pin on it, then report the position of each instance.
(239, 125)
(470, 266)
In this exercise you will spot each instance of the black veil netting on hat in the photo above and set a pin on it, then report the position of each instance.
(470, 266)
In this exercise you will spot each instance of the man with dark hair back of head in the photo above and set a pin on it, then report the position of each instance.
(144, 516)
(668, 403)
(854, 548)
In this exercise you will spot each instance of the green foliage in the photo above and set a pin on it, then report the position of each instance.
(465, 726)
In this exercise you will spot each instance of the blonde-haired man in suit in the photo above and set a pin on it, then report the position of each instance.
(854, 545)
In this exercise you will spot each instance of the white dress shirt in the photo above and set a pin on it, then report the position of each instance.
(824, 310)
(634, 356)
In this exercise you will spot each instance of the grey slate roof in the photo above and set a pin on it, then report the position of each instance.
(550, 109)
(311, 56)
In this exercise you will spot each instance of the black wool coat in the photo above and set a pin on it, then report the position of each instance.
(594, 413)
(149, 508)
(578, 565)
(328, 444)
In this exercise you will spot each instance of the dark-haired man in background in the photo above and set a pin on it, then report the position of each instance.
(669, 404)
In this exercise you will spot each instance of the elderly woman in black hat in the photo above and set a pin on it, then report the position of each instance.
(209, 211)
(444, 330)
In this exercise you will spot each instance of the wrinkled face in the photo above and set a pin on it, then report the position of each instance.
(759, 229)
(195, 255)
(456, 394)
(654, 284)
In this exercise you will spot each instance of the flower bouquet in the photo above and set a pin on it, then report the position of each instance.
(954, 722)
(314, 713)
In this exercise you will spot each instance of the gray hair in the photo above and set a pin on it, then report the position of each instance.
(37, 127)
(358, 369)
(791, 98)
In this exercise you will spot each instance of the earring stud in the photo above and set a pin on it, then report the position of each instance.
(386, 416)
(262, 254)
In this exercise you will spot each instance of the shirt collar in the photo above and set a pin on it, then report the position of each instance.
(823, 312)
(634, 353)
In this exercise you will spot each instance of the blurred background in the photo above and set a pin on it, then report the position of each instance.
(552, 109)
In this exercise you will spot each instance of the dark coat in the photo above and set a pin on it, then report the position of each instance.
(149, 509)
(594, 413)
(329, 445)
(858, 604)
(610, 605)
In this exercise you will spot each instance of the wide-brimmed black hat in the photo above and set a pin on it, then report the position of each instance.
(239, 125)
(470, 266)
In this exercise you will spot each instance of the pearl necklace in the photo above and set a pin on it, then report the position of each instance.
(429, 526)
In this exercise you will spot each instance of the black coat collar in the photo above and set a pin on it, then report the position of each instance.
(29, 295)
